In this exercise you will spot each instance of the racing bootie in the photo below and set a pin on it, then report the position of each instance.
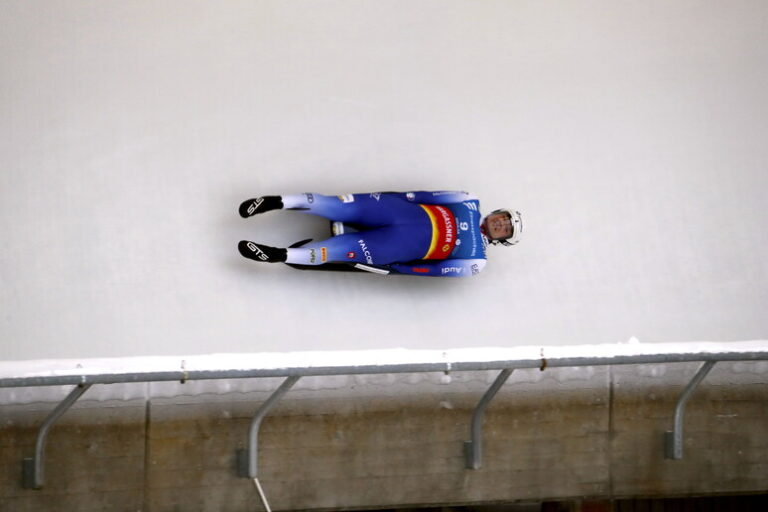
(257, 205)
(264, 253)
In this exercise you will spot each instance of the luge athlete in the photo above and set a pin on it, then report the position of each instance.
(421, 233)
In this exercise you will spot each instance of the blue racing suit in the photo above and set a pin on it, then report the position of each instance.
(420, 233)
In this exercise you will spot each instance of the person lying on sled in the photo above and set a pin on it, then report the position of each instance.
(420, 233)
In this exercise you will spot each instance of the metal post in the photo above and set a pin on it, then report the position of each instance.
(248, 459)
(33, 475)
(674, 440)
(473, 450)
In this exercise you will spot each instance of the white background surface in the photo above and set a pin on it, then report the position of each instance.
(632, 136)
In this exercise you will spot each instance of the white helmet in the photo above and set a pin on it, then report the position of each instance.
(516, 221)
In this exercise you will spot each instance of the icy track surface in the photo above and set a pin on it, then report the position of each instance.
(633, 138)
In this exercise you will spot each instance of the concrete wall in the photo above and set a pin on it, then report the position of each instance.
(397, 442)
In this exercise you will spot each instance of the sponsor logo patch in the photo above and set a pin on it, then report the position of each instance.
(258, 252)
(410, 196)
(310, 198)
(420, 270)
(376, 195)
(254, 205)
(452, 270)
(312, 256)
(475, 269)
(323, 254)
(351, 255)
(347, 198)
(443, 232)
(366, 252)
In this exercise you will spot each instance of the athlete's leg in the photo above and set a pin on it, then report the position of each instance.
(372, 210)
(375, 247)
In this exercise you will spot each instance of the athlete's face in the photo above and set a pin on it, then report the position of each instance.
(498, 226)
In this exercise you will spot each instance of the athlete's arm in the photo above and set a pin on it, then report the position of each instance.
(444, 268)
(434, 197)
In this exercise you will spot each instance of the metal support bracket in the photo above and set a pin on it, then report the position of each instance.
(673, 441)
(473, 449)
(32, 467)
(247, 460)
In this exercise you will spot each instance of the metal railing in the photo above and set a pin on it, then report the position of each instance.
(247, 459)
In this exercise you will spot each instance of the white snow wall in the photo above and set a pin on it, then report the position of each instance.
(633, 137)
